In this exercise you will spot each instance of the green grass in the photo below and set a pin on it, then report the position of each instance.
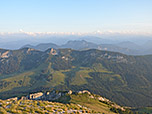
(80, 76)
(82, 73)
(146, 110)
(86, 103)
(97, 67)
(41, 107)
(22, 81)
(45, 77)
(57, 79)
(19, 80)
(94, 104)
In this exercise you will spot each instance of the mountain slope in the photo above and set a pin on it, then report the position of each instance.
(129, 45)
(65, 102)
(127, 80)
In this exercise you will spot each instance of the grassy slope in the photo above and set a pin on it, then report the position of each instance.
(45, 76)
(38, 107)
(91, 103)
(80, 102)
(144, 110)
(19, 80)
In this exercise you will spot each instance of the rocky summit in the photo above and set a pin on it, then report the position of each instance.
(61, 102)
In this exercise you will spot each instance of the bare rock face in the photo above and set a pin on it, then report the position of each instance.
(53, 52)
(84, 91)
(36, 96)
(29, 50)
(6, 54)
(70, 92)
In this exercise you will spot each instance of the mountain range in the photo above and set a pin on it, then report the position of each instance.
(126, 47)
(124, 79)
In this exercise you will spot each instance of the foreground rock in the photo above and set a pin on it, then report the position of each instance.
(60, 96)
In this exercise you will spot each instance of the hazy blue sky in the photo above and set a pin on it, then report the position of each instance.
(75, 15)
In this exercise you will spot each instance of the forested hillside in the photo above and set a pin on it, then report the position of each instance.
(127, 80)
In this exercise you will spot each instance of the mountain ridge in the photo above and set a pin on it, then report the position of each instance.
(84, 45)
(117, 76)
(66, 101)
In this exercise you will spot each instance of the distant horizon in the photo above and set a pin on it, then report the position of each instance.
(15, 40)
(97, 32)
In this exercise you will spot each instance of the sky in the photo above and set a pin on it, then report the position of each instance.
(82, 16)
